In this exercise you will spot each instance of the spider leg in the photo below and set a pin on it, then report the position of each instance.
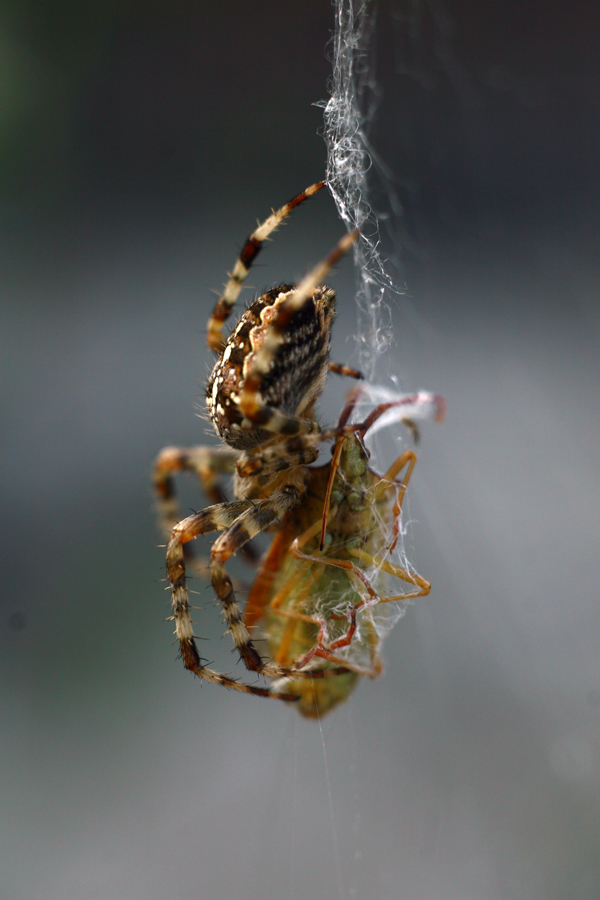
(215, 518)
(254, 520)
(294, 452)
(300, 449)
(250, 251)
(195, 665)
(209, 464)
(259, 517)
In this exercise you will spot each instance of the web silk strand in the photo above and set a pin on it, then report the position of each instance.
(349, 161)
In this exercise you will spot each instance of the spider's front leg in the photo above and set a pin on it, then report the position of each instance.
(250, 251)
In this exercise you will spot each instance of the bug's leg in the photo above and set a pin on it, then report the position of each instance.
(438, 405)
(325, 650)
(408, 460)
(314, 572)
(399, 572)
(300, 587)
(341, 369)
(405, 461)
(250, 251)
(335, 463)
(321, 648)
(422, 586)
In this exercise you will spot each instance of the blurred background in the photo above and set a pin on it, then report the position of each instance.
(139, 143)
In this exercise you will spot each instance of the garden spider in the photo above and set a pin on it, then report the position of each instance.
(260, 396)
(321, 589)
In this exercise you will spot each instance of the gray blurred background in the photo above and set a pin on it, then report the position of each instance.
(139, 143)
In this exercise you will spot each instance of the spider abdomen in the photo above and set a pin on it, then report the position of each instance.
(296, 371)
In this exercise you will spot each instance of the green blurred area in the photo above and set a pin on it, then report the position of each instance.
(48, 53)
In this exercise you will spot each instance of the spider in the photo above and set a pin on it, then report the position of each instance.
(260, 396)
(261, 399)
(320, 590)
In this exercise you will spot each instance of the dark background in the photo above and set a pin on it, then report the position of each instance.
(139, 143)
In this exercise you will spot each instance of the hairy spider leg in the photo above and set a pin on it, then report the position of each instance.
(209, 464)
(240, 520)
(250, 251)
(258, 518)
(211, 519)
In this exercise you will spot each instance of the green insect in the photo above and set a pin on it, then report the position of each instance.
(324, 591)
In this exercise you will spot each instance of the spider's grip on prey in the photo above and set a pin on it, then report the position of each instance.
(261, 397)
